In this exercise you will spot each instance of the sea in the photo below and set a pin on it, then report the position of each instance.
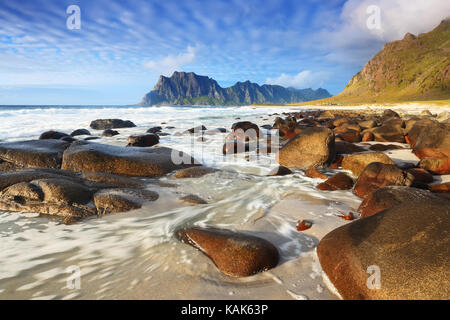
(134, 255)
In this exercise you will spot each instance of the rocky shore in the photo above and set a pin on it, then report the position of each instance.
(402, 225)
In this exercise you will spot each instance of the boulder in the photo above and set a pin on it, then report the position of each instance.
(246, 126)
(390, 113)
(384, 147)
(378, 175)
(132, 161)
(154, 130)
(357, 162)
(441, 188)
(315, 174)
(53, 135)
(343, 147)
(65, 191)
(34, 153)
(234, 253)
(388, 197)
(280, 171)
(339, 181)
(367, 124)
(122, 200)
(367, 136)
(80, 132)
(431, 144)
(104, 124)
(409, 244)
(388, 133)
(314, 147)
(193, 199)
(194, 172)
(110, 133)
(147, 140)
(350, 136)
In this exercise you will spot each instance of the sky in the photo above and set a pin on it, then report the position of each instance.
(121, 47)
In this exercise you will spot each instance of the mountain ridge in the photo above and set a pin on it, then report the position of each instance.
(188, 88)
(415, 68)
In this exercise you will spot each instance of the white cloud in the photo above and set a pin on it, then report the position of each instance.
(172, 63)
(349, 40)
(301, 80)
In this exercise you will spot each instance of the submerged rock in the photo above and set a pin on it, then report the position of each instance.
(194, 172)
(280, 171)
(193, 199)
(80, 132)
(110, 133)
(340, 181)
(235, 254)
(122, 200)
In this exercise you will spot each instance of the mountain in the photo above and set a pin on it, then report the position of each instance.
(187, 88)
(416, 68)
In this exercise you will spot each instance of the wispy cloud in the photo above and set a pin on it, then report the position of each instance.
(303, 79)
(171, 63)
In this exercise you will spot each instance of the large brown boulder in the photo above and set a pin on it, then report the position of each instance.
(378, 175)
(60, 190)
(103, 124)
(409, 244)
(388, 197)
(235, 254)
(246, 126)
(314, 147)
(357, 162)
(34, 153)
(388, 133)
(431, 144)
(132, 161)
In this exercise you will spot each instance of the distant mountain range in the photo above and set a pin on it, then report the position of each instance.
(187, 88)
(412, 69)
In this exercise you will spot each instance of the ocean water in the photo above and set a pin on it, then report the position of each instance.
(135, 254)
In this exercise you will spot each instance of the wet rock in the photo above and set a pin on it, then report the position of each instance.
(357, 162)
(22, 192)
(421, 175)
(147, 140)
(388, 197)
(351, 136)
(104, 124)
(122, 200)
(339, 181)
(91, 138)
(315, 174)
(53, 135)
(233, 147)
(431, 144)
(248, 127)
(235, 254)
(106, 180)
(388, 133)
(80, 132)
(347, 127)
(194, 172)
(59, 190)
(131, 161)
(367, 124)
(304, 225)
(378, 175)
(280, 171)
(193, 199)
(314, 147)
(441, 188)
(198, 129)
(343, 147)
(367, 136)
(384, 147)
(154, 130)
(34, 153)
(390, 113)
(110, 133)
(326, 115)
(409, 243)
(337, 162)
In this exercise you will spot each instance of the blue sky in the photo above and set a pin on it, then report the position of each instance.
(123, 46)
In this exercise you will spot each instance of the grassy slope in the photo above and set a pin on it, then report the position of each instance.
(409, 70)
